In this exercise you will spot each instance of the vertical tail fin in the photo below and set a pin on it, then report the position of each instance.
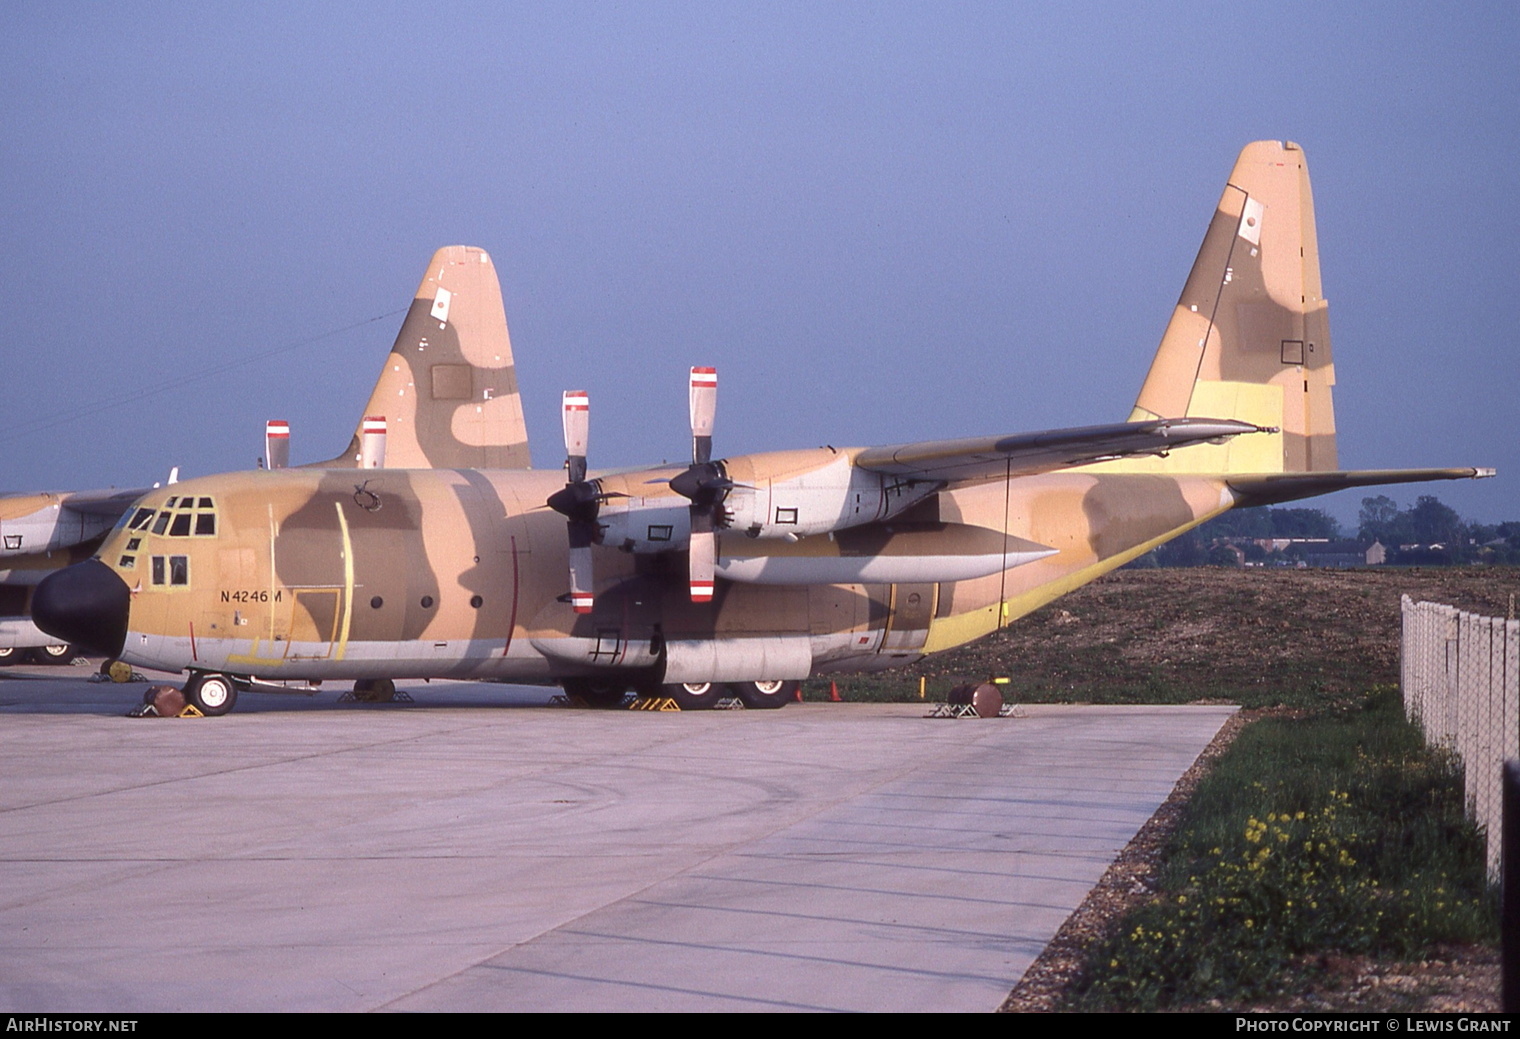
(1250, 338)
(449, 389)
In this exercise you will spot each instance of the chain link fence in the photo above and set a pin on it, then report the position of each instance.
(1461, 679)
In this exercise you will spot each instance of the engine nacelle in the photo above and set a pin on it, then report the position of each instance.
(827, 494)
(645, 525)
(787, 495)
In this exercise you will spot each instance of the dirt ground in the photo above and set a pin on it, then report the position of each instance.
(1212, 632)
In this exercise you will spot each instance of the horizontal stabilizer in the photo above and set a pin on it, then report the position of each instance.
(983, 458)
(1273, 488)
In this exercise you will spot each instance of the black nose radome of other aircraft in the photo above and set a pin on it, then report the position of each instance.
(86, 604)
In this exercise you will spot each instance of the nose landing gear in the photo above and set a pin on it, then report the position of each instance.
(212, 694)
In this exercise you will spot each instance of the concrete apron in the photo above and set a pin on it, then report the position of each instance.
(450, 855)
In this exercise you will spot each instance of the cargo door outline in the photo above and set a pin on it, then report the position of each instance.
(315, 617)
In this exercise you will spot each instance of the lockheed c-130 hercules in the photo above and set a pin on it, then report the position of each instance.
(437, 552)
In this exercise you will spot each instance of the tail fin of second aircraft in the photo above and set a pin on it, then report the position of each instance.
(449, 389)
(1250, 338)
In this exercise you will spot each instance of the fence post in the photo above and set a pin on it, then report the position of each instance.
(1509, 913)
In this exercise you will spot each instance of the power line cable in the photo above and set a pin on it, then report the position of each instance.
(53, 421)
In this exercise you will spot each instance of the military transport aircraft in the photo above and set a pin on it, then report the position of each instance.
(449, 557)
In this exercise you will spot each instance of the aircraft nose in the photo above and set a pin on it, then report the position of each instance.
(86, 604)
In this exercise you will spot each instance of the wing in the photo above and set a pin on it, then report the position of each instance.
(1023, 454)
(48, 522)
(108, 504)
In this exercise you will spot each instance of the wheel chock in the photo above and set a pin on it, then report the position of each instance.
(399, 696)
(653, 703)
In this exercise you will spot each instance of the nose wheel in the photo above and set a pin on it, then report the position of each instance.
(213, 695)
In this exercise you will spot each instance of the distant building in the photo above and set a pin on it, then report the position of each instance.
(1340, 553)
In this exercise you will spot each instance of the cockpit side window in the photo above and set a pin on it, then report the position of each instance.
(171, 570)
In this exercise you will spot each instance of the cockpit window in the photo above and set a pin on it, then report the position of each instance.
(181, 517)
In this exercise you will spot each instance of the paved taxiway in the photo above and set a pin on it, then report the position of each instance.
(475, 851)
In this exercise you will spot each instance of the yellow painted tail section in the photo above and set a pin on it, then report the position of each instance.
(1250, 338)
(449, 389)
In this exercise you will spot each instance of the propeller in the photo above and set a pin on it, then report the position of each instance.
(579, 501)
(705, 484)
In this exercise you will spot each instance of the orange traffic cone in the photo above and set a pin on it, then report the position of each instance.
(834, 693)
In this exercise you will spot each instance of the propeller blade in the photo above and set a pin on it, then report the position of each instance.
(703, 555)
(581, 577)
(579, 500)
(704, 409)
(704, 484)
(577, 422)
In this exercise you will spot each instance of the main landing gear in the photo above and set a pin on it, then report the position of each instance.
(58, 653)
(603, 693)
(688, 696)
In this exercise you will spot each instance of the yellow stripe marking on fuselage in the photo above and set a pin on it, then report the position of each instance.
(961, 628)
(348, 581)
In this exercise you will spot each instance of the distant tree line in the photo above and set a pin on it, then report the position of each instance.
(1428, 533)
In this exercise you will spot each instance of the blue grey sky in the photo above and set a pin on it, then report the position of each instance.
(881, 222)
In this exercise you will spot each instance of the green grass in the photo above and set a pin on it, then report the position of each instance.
(1335, 831)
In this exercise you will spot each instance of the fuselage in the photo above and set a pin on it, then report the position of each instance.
(344, 574)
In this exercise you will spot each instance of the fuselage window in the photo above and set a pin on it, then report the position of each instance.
(160, 524)
(127, 562)
(140, 520)
(158, 569)
(179, 570)
(205, 522)
(181, 528)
